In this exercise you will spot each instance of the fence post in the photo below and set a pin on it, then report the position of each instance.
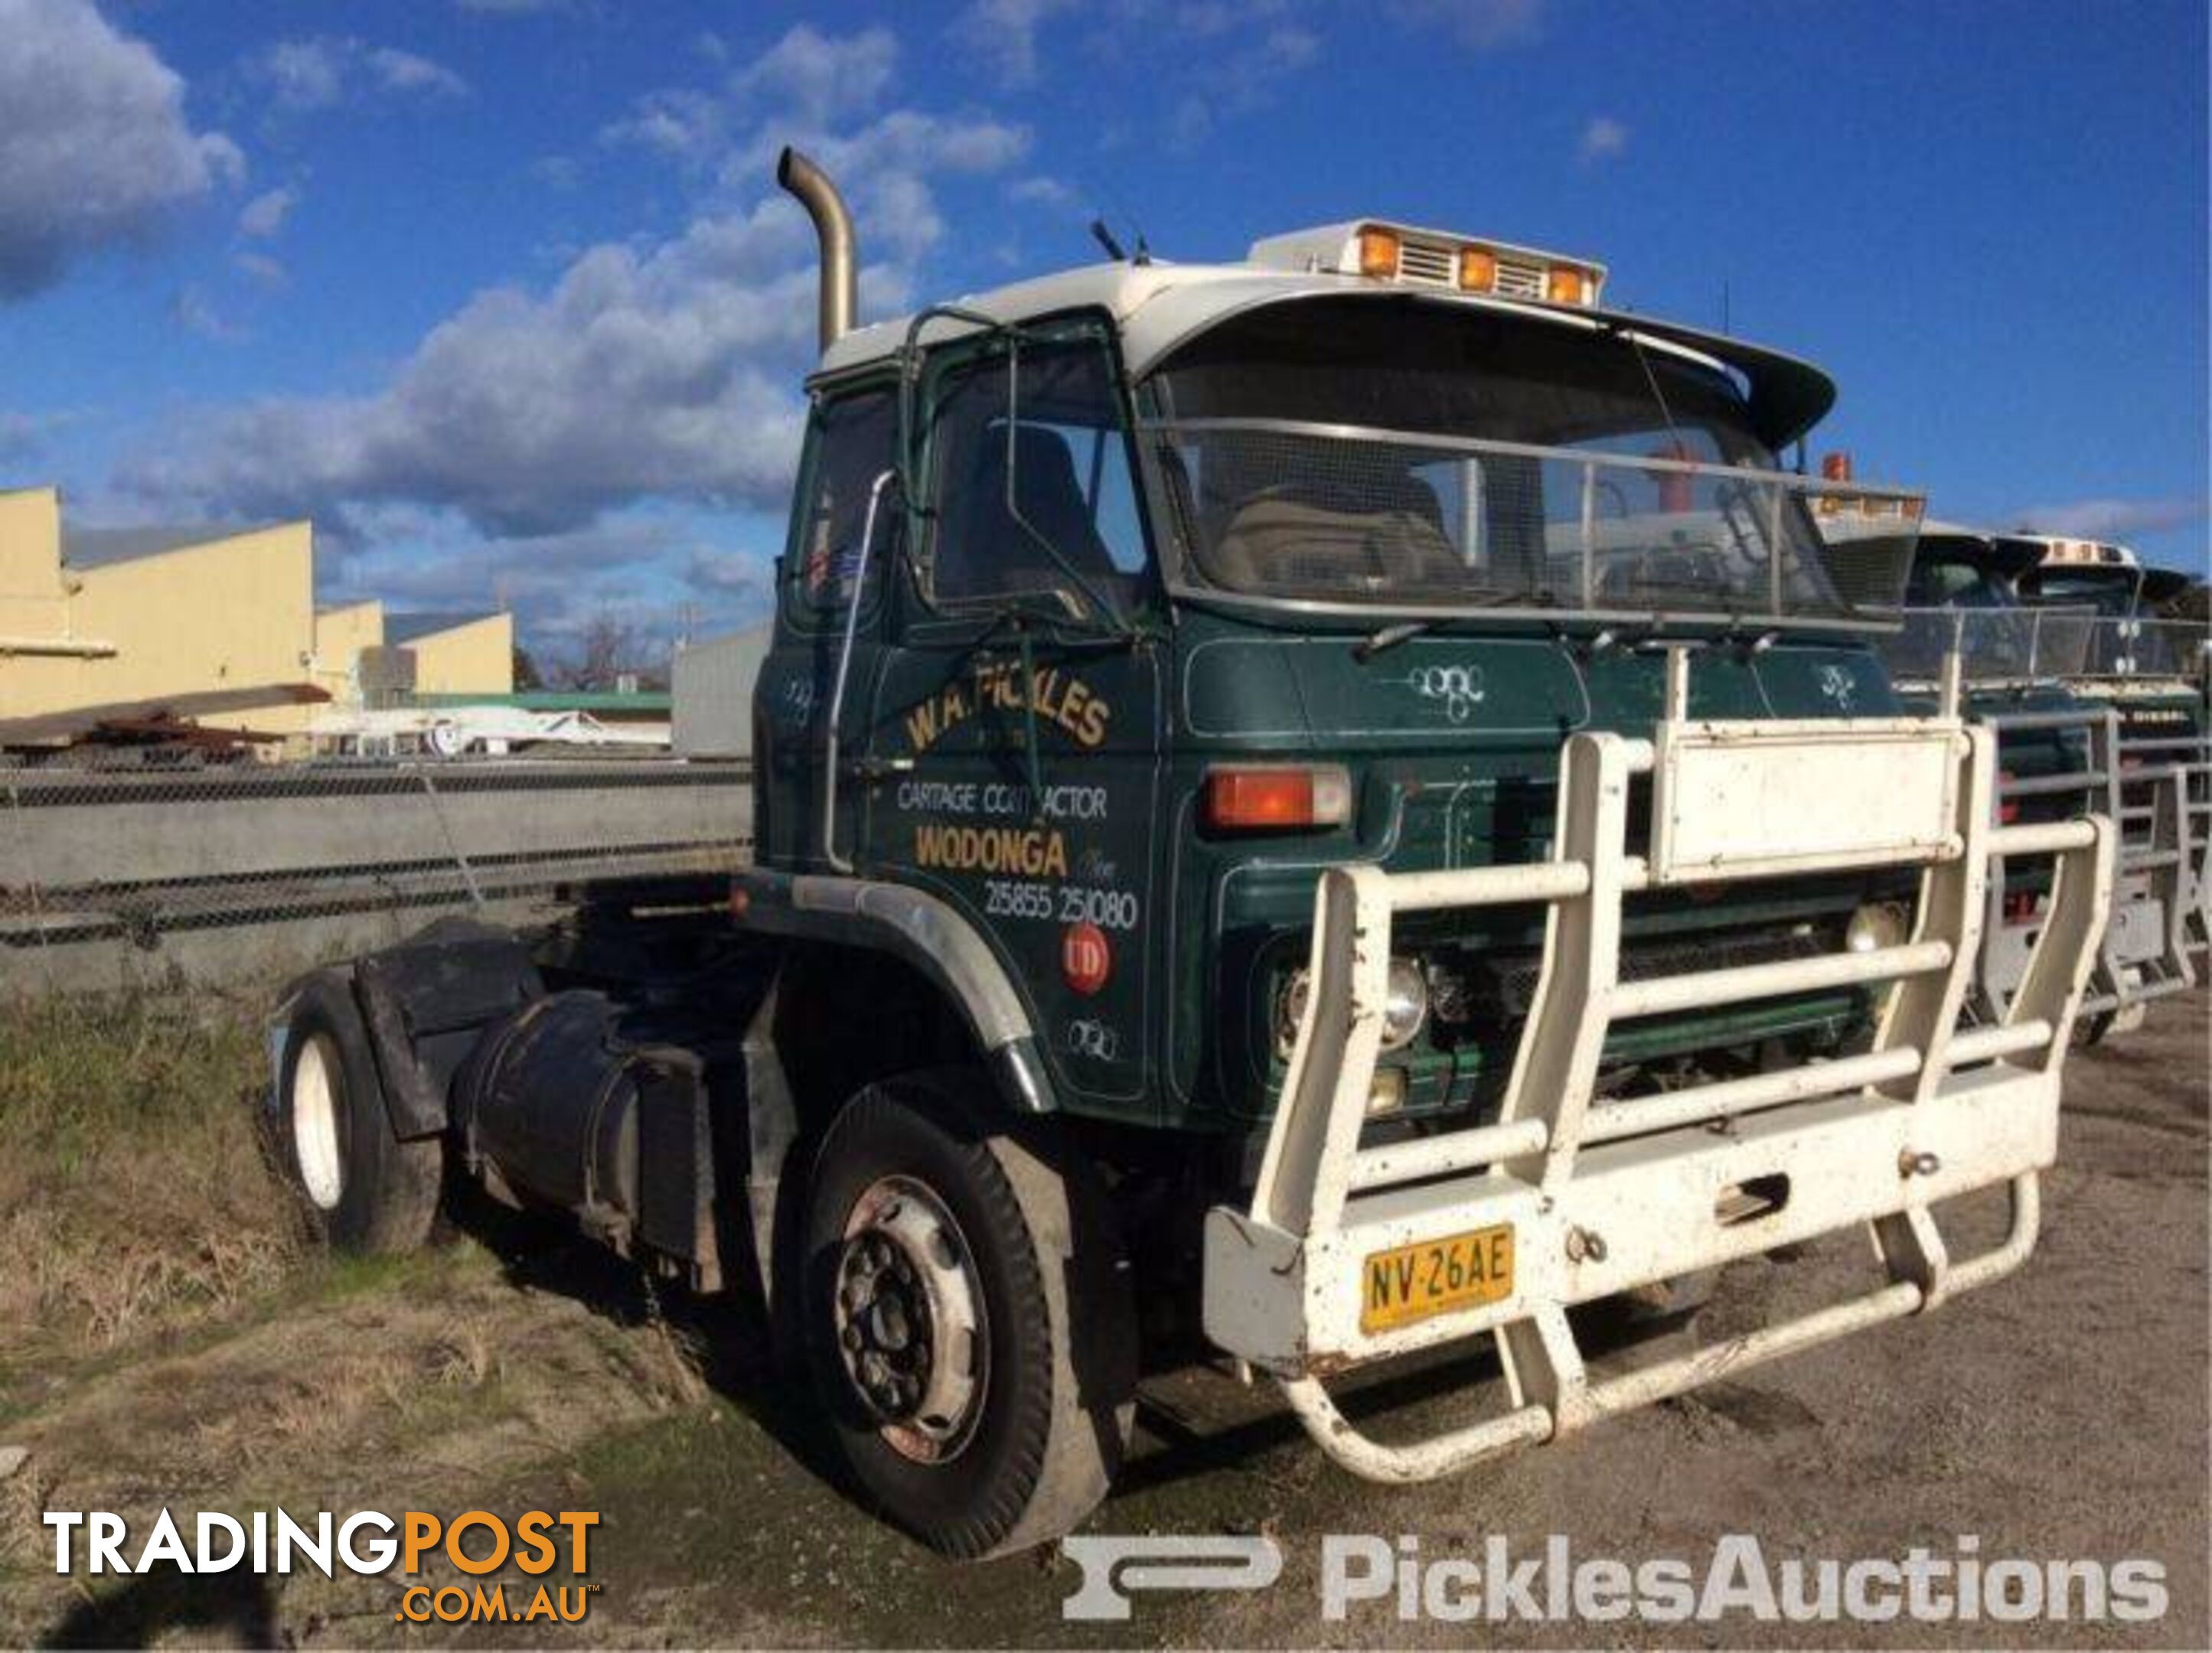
(30, 877)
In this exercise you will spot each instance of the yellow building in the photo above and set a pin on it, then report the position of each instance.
(117, 616)
(456, 654)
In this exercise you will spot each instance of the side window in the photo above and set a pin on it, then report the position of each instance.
(1072, 486)
(854, 439)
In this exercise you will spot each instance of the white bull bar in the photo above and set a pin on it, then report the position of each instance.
(1598, 1198)
(2158, 895)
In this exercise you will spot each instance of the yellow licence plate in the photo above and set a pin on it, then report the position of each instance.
(1433, 1276)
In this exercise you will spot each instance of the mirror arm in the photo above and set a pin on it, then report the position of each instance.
(843, 864)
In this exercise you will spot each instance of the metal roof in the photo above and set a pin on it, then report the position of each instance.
(1159, 306)
(402, 628)
(100, 548)
(646, 703)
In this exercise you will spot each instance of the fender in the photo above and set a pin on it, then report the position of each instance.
(925, 932)
(426, 1002)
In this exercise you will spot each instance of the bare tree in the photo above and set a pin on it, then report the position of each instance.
(610, 650)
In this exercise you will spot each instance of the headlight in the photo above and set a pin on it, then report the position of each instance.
(1291, 1009)
(1878, 924)
(1405, 1003)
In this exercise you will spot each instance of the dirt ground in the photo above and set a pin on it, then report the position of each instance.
(2059, 1415)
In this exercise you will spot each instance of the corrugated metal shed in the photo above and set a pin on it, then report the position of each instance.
(714, 690)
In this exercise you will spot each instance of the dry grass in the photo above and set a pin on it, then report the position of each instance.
(170, 1334)
(135, 1195)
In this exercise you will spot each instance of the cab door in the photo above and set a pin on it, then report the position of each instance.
(1017, 754)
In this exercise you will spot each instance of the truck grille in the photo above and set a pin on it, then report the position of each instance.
(1490, 987)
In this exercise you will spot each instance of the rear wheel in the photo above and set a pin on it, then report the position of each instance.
(366, 1190)
(968, 1316)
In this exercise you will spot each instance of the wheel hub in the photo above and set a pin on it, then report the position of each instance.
(908, 1320)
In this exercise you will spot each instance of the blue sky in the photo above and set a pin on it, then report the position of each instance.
(499, 292)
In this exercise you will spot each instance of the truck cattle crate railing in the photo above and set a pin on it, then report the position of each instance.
(1346, 1254)
(1346, 513)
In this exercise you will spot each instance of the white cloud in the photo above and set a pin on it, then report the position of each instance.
(1244, 78)
(23, 436)
(192, 310)
(1041, 190)
(325, 70)
(1603, 139)
(1004, 33)
(95, 149)
(262, 268)
(2114, 518)
(1479, 25)
(666, 372)
(648, 370)
(264, 215)
(404, 71)
(557, 172)
(814, 78)
(727, 574)
(303, 74)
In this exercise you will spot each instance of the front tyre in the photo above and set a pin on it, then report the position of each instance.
(364, 1190)
(967, 1315)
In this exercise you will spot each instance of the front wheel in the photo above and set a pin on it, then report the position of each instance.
(967, 1315)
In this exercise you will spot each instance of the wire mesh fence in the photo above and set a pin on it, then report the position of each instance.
(127, 876)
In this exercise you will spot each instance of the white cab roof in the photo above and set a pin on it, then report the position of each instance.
(1158, 307)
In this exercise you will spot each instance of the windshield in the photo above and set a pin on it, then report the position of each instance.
(1414, 455)
(2110, 591)
(1939, 581)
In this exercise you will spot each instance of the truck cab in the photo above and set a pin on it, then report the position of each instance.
(2026, 668)
(1305, 809)
(1192, 579)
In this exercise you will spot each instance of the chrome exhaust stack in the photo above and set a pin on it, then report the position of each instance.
(833, 228)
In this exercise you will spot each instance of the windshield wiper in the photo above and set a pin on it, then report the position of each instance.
(1399, 631)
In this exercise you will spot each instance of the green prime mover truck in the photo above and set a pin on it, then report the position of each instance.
(1305, 810)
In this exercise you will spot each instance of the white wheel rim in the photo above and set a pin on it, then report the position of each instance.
(315, 1122)
(913, 1235)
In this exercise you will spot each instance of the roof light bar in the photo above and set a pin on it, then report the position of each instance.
(1408, 257)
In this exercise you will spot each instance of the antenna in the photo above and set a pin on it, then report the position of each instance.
(1104, 237)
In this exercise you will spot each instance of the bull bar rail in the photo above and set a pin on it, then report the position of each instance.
(2151, 790)
(1599, 1198)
